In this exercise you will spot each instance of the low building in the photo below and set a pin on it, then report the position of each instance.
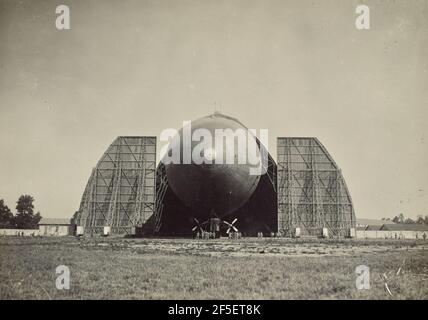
(405, 227)
(373, 227)
(19, 232)
(56, 227)
(374, 224)
(395, 231)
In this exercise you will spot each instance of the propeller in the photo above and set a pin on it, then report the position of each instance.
(198, 226)
(231, 226)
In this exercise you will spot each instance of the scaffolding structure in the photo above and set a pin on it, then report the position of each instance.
(312, 194)
(120, 192)
(161, 189)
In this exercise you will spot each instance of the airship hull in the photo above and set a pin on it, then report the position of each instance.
(216, 188)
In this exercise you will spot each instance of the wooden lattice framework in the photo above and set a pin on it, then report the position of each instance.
(312, 193)
(120, 192)
(161, 189)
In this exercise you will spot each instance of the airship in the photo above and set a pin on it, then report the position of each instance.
(213, 180)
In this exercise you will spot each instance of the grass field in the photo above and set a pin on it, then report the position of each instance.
(118, 268)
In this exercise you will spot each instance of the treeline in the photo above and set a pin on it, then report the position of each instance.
(402, 219)
(24, 218)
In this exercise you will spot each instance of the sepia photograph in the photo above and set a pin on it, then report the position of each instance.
(194, 151)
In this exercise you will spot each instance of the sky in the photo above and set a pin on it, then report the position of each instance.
(296, 68)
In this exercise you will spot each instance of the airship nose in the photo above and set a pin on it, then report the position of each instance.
(212, 183)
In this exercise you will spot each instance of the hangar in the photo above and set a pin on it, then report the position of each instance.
(302, 193)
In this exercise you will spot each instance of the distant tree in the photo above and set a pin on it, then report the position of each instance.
(409, 221)
(6, 216)
(426, 220)
(399, 219)
(25, 217)
(420, 219)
